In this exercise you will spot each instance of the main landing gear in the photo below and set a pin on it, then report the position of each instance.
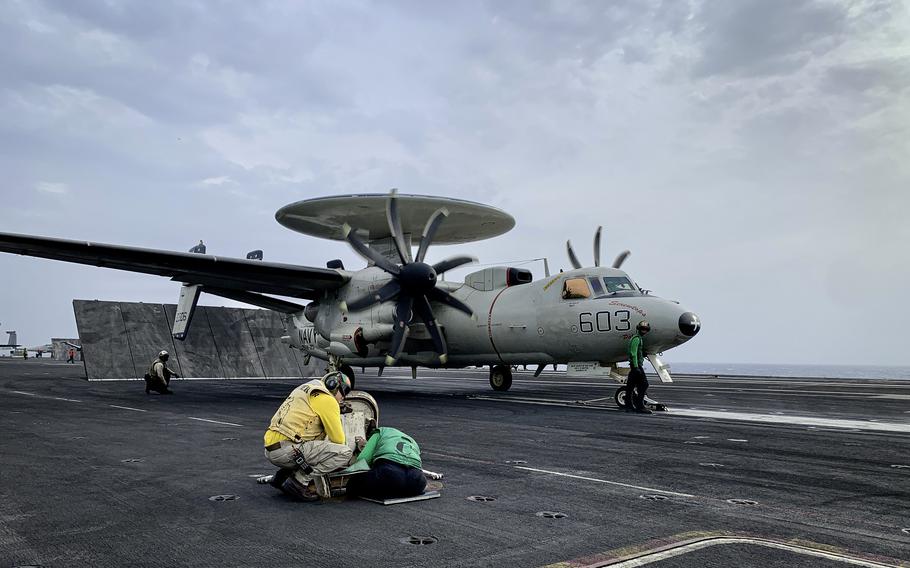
(501, 377)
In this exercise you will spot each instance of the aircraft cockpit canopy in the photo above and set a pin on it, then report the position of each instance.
(598, 287)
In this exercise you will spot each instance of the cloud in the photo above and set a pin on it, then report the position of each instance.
(766, 37)
(218, 180)
(52, 187)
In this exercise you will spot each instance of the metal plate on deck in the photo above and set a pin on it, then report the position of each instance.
(421, 497)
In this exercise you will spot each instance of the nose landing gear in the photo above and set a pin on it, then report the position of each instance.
(619, 397)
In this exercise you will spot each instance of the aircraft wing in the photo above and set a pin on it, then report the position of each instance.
(192, 268)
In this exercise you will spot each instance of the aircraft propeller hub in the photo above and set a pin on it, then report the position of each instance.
(417, 277)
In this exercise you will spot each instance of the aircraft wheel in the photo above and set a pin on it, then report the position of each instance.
(347, 370)
(501, 377)
(619, 397)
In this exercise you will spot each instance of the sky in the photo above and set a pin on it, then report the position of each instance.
(754, 155)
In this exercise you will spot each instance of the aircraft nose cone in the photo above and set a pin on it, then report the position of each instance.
(689, 324)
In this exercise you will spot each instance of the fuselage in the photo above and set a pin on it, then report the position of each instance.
(588, 314)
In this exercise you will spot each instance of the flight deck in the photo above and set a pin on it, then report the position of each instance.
(745, 471)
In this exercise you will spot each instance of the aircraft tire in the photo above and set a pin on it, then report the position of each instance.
(347, 370)
(619, 397)
(501, 377)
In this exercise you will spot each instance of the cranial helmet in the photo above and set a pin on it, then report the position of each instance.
(163, 354)
(336, 381)
(644, 326)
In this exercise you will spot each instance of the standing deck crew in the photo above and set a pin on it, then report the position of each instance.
(305, 438)
(637, 383)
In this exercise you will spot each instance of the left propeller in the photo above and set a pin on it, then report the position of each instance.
(413, 282)
(574, 259)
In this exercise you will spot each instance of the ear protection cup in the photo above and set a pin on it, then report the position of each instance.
(337, 380)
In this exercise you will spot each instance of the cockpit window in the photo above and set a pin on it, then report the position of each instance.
(596, 286)
(575, 289)
(619, 284)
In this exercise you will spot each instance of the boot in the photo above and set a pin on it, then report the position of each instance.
(294, 489)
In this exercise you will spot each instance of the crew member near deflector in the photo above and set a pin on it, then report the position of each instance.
(395, 466)
(306, 440)
(158, 378)
(637, 383)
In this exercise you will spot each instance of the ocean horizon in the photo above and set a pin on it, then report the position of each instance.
(901, 372)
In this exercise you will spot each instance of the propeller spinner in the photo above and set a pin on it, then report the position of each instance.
(574, 259)
(413, 282)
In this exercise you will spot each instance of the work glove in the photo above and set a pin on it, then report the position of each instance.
(345, 407)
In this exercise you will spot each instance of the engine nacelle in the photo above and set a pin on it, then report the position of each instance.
(350, 336)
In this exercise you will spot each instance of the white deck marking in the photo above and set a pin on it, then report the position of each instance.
(127, 408)
(799, 420)
(45, 396)
(583, 478)
(840, 423)
(683, 548)
(215, 421)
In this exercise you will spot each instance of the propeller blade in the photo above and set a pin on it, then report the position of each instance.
(452, 263)
(621, 258)
(572, 258)
(423, 309)
(429, 231)
(391, 213)
(402, 319)
(368, 253)
(597, 246)
(539, 369)
(444, 297)
(387, 292)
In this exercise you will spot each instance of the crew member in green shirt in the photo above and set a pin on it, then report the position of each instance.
(637, 383)
(395, 466)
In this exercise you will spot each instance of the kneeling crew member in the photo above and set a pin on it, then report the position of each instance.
(395, 466)
(158, 378)
(637, 383)
(306, 438)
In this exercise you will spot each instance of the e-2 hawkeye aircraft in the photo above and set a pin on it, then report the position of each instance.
(397, 311)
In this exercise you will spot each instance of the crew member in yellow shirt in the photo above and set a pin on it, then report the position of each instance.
(306, 439)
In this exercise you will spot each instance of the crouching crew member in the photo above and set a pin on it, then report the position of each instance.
(637, 383)
(395, 466)
(306, 438)
(158, 378)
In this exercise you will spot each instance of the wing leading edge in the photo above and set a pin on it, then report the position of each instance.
(225, 274)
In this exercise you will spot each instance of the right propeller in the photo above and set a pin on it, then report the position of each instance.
(574, 259)
(413, 281)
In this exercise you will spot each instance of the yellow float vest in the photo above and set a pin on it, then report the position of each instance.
(295, 418)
